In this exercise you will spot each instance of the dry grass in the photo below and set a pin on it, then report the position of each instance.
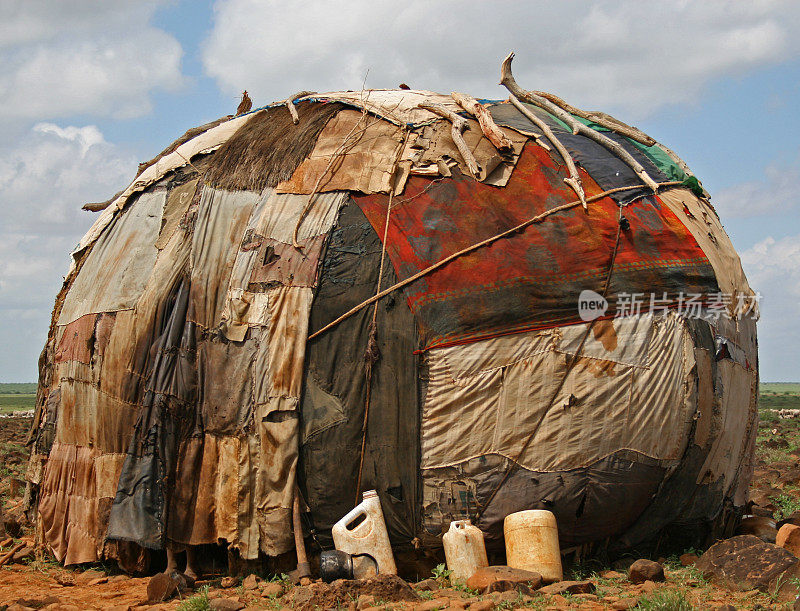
(268, 148)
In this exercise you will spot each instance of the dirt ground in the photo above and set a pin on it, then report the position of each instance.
(39, 582)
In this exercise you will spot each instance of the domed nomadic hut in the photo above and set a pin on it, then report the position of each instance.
(472, 307)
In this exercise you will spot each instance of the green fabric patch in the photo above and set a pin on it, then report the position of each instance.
(694, 186)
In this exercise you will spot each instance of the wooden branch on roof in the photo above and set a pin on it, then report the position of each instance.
(574, 180)
(98, 206)
(459, 126)
(289, 103)
(601, 118)
(507, 80)
(489, 128)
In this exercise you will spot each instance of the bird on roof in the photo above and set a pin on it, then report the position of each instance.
(245, 105)
(403, 86)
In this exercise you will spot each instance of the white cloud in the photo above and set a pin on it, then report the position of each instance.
(627, 55)
(772, 270)
(775, 192)
(64, 57)
(44, 179)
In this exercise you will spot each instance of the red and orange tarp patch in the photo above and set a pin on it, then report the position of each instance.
(531, 279)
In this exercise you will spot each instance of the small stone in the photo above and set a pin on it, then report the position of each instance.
(228, 582)
(24, 554)
(306, 581)
(426, 585)
(481, 605)
(571, 587)
(645, 570)
(788, 538)
(250, 582)
(98, 581)
(18, 607)
(118, 578)
(725, 608)
(484, 576)
(612, 575)
(225, 604)
(625, 603)
(64, 578)
(273, 589)
(648, 587)
(163, 586)
(87, 576)
(688, 559)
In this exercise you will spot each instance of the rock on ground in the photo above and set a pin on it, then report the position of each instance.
(789, 538)
(645, 570)
(745, 562)
(568, 587)
(487, 575)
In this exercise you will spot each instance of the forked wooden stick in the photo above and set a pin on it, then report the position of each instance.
(574, 180)
(489, 128)
(507, 80)
(459, 126)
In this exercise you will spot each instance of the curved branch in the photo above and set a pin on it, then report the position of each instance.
(489, 128)
(289, 103)
(601, 118)
(507, 80)
(459, 126)
(574, 180)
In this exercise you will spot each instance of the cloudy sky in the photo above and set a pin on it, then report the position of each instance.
(90, 87)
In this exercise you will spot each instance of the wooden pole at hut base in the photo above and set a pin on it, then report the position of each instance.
(507, 81)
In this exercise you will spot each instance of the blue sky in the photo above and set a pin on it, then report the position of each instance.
(90, 87)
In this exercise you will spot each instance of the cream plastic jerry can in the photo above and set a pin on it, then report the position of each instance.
(464, 549)
(532, 543)
(362, 533)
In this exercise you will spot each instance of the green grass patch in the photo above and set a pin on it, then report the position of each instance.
(779, 395)
(16, 402)
(18, 388)
(198, 602)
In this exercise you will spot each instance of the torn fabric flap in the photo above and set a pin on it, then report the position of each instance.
(204, 143)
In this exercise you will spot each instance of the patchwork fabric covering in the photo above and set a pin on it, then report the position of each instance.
(216, 345)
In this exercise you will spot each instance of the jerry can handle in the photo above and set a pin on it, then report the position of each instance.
(350, 517)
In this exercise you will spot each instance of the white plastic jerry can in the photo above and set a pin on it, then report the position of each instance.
(532, 543)
(464, 549)
(363, 531)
